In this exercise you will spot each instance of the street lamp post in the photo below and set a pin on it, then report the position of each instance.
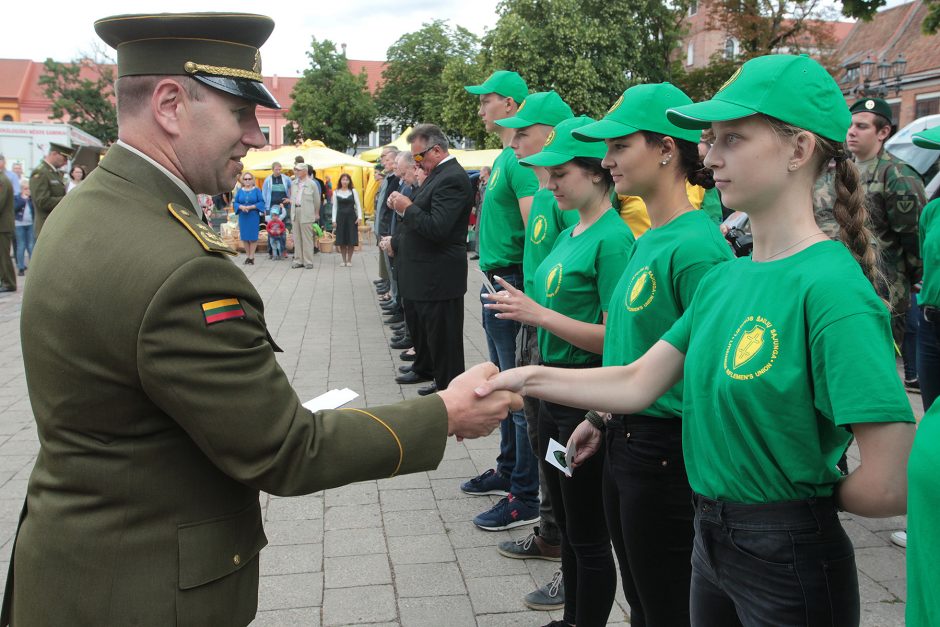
(886, 71)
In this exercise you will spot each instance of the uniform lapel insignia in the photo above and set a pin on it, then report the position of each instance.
(206, 237)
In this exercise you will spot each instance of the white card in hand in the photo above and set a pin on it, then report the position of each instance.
(560, 457)
(486, 282)
(331, 400)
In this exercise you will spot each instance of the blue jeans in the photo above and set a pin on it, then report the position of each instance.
(516, 458)
(24, 244)
(278, 244)
(928, 357)
(786, 564)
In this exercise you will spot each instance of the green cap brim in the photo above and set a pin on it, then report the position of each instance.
(478, 90)
(546, 159)
(929, 139)
(700, 115)
(603, 129)
(515, 122)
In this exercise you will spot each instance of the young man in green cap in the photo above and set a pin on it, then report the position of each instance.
(142, 508)
(501, 230)
(47, 183)
(532, 127)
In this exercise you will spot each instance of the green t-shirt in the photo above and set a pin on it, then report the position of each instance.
(501, 228)
(923, 541)
(663, 273)
(576, 280)
(711, 205)
(781, 357)
(930, 253)
(546, 221)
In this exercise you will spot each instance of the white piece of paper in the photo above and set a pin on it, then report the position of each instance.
(486, 282)
(559, 456)
(331, 400)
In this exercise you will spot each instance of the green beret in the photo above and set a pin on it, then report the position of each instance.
(872, 105)
(220, 50)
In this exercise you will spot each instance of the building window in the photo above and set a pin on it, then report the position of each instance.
(8, 118)
(731, 49)
(851, 74)
(693, 7)
(690, 54)
(895, 110)
(266, 131)
(928, 106)
(285, 141)
(385, 134)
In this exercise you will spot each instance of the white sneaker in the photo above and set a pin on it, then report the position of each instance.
(899, 538)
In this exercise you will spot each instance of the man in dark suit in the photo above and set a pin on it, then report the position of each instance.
(432, 268)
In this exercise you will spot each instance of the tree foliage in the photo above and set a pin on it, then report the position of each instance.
(330, 102)
(85, 101)
(702, 83)
(413, 90)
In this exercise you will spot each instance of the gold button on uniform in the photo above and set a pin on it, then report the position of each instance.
(237, 559)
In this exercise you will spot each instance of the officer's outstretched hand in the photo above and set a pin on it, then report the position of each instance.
(472, 416)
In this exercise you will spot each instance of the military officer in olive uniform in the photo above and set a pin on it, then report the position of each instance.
(7, 272)
(161, 410)
(895, 198)
(47, 183)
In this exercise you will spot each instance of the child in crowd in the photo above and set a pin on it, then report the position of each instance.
(277, 234)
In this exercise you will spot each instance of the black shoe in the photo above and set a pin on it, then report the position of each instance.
(474, 257)
(398, 337)
(381, 290)
(428, 389)
(379, 281)
(403, 343)
(405, 369)
(390, 306)
(395, 319)
(406, 356)
(4, 288)
(401, 326)
(21, 273)
(411, 377)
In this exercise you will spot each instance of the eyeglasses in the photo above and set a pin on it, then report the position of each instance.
(419, 156)
(247, 178)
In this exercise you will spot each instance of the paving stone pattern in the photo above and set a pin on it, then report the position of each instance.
(398, 551)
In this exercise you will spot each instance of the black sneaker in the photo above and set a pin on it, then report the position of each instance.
(912, 385)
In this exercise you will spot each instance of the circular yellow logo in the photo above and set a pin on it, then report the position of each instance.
(539, 230)
(493, 178)
(553, 282)
(614, 106)
(550, 138)
(753, 349)
(642, 290)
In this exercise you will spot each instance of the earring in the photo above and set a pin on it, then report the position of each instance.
(597, 179)
(791, 167)
(666, 160)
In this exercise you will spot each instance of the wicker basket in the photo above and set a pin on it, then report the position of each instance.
(326, 242)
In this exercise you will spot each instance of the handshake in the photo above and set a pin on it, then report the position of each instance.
(474, 406)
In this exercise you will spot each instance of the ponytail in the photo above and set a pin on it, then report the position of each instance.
(691, 165)
(851, 213)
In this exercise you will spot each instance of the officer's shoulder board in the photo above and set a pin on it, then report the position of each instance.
(206, 237)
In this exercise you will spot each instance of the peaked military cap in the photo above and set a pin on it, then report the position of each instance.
(63, 150)
(220, 50)
(872, 105)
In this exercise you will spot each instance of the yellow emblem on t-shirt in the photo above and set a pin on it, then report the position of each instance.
(753, 349)
(493, 178)
(553, 282)
(539, 230)
(642, 289)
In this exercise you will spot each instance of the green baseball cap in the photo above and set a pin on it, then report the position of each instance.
(220, 50)
(561, 146)
(872, 105)
(929, 138)
(641, 108)
(793, 89)
(544, 107)
(503, 82)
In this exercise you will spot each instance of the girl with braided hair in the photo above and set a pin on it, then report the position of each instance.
(784, 355)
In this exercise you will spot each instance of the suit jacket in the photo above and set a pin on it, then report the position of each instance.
(161, 413)
(305, 201)
(432, 263)
(392, 184)
(47, 188)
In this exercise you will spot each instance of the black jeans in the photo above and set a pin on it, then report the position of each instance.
(648, 503)
(928, 355)
(587, 562)
(787, 564)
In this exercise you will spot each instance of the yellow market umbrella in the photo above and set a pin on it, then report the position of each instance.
(475, 159)
(314, 152)
(400, 143)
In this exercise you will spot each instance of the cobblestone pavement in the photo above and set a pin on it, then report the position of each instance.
(398, 551)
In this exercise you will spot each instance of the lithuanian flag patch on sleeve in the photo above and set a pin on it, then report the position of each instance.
(224, 309)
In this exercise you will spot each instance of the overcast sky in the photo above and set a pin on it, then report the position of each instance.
(368, 28)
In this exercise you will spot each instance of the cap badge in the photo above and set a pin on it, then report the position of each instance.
(734, 77)
(869, 104)
(615, 105)
(551, 138)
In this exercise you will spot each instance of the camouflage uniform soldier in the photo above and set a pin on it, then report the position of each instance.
(824, 197)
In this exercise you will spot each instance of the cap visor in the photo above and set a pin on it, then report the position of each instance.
(700, 115)
(546, 159)
(478, 90)
(515, 122)
(602, 129)
(243, 88)
(929, 139)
